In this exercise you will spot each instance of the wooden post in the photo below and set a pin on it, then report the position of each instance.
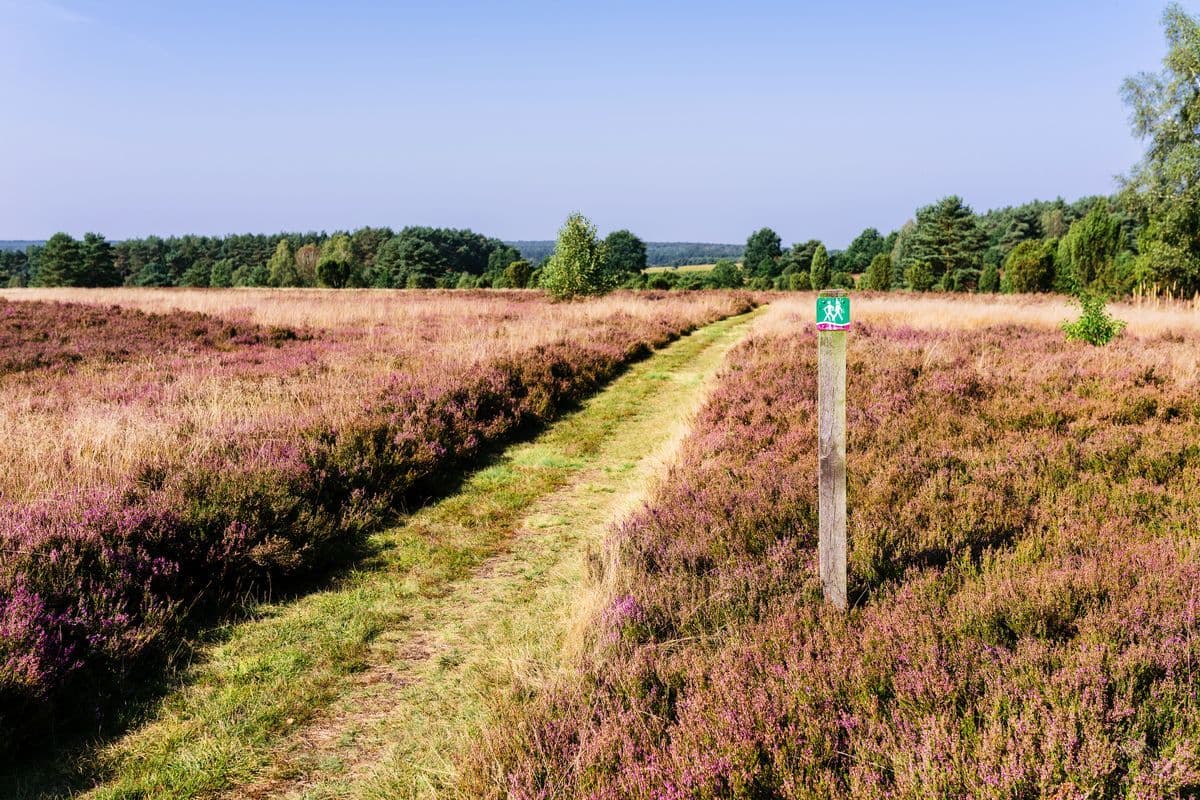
(833, 320)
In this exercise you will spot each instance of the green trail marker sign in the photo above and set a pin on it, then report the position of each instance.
(833, 320)
(833, 313)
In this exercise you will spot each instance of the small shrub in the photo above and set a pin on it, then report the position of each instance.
(1030, 266)
(799, 282)
(725, 275)
(879, 274)
(660, 280)
(333, 272)
(919, 276)
(1095, 325)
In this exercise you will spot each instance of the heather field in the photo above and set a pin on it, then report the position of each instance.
(1024, 579)
(164, 455)
(626, 605)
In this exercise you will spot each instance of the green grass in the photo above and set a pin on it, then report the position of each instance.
(369, 687)
(684, 268)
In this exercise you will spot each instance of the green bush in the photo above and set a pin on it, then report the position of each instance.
(799, 282)
(725, 275)
(842, 280)
(879, 273)
(1030, 266)
(221, 275)
(1095, 325)
(660, 280)
(516, 274)
(332, 272)
(919, 276)
(418, 280)
(692, 281)
(198, 274)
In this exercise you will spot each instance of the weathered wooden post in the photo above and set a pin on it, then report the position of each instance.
(833, 320)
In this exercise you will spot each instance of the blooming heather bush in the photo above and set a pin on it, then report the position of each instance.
(45, 335)
(96, 575)
(1024, 574)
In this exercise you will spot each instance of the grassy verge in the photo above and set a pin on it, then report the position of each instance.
(303, 689)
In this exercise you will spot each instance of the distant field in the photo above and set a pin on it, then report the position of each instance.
(684, 268)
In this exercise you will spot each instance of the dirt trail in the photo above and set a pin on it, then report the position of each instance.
(469, 598)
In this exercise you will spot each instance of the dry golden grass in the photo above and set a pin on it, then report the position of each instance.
(937, 311)
(684, 268)
(487, 322)
(949, 311)
(1173, 326)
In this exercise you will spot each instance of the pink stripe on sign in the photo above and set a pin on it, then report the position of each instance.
(832, 326)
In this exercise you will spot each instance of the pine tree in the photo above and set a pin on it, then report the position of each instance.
(1088, 253)
(61, 262)
(947, 238)
(99, 263)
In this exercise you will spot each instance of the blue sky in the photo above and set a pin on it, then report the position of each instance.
(681, 120)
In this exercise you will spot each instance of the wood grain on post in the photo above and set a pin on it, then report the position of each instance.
(831, 454)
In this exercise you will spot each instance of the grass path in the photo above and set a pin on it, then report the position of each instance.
(370, 688)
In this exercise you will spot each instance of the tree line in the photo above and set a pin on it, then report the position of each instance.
(1040, 246)
(413, 258)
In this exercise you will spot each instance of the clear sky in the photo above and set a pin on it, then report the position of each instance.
(690, 121)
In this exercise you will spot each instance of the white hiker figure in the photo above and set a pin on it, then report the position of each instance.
(833, 311)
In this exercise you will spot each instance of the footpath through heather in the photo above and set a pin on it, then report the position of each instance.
(373, 687)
